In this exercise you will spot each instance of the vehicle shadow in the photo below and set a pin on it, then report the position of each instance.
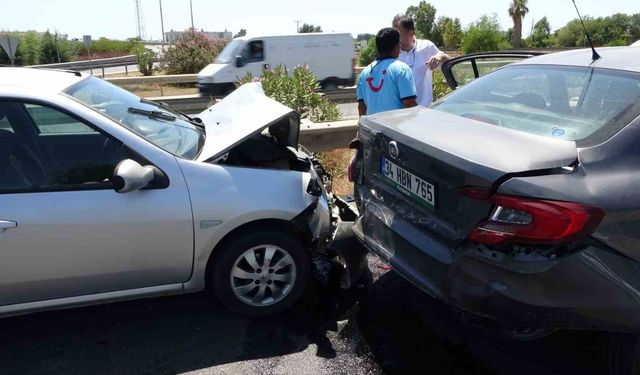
(409, 332)
(161, 335)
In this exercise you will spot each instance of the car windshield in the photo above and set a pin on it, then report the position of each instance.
(229, 52)
(167, 129)
(569, 103)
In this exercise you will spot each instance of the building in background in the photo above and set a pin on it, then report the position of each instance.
(172, 36)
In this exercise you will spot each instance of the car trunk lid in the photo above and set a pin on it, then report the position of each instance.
(449, 153)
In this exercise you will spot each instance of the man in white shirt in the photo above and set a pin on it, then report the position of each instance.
(421, 55)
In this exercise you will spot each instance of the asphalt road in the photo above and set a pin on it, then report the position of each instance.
(393, 329)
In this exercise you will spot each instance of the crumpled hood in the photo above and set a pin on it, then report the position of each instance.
(244, 112)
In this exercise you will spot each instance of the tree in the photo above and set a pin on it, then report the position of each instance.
(28, 52)
(368, 53)
(437, 36)
(54, 49)
(541, 35)
(308, 28)
(517, 10)
(424, 16)
(484, 35)
(240, 33)
(364, 37)
(452, 35)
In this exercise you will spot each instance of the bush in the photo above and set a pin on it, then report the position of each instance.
(145, 58)
(368, 53)
(297, 91)
(110, 47)
(440, 86)
(192, 52)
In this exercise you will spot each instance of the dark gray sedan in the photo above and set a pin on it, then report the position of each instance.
(516, 199)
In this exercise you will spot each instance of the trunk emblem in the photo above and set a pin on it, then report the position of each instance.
(394, 151)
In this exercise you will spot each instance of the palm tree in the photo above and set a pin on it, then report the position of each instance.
(517, 10)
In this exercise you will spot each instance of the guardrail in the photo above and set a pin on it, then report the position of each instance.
(166, 79)
(326, 136)
(196, 103)
(87, 64)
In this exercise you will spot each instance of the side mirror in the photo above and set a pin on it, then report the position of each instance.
(131, 176)
(240, 61)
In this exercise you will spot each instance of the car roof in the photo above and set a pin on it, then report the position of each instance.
(39, 79)
(620, 58)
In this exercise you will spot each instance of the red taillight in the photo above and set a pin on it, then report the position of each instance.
(526, 220)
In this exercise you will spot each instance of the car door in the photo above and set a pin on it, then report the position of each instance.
(64, 231)
(463, 69)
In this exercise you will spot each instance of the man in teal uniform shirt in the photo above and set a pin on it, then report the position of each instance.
(387, 83)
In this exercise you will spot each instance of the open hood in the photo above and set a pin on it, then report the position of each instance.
(243, 113)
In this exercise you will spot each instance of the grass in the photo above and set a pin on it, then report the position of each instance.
(150, 90)
(336, 162)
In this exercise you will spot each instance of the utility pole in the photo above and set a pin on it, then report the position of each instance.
(297, 25)
(191, 6)
(161, 21)
(140, 21)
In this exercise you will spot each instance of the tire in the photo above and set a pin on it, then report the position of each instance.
(329, 84)
(622, 354)
(241, 265)
(231, 88)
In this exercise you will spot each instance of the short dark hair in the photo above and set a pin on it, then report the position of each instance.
(404, 21)
(386, 40)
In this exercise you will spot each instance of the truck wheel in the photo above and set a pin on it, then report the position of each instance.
(622, 354)
(261, 272)
(329, 84)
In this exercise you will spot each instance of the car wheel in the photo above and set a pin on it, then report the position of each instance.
(622, 354)
(261, 272)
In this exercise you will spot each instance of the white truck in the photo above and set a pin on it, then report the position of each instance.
(330, 56)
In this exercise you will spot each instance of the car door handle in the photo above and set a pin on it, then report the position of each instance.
(7, 224)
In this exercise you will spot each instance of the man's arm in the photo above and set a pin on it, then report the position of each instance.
(437, 60)
(362, 108)
(409, 102)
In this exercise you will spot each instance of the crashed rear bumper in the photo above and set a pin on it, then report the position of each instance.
(592, 289)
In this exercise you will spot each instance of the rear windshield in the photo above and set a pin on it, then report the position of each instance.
(569, 103)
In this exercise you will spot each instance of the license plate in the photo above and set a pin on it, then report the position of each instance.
(408, 182)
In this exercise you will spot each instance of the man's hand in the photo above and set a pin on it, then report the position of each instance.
(437, 60)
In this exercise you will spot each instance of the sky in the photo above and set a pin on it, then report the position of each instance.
(117, 18)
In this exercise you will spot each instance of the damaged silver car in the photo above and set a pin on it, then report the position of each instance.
(515, 198)
(105, 196)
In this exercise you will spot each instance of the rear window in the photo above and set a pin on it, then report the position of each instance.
(569, 103)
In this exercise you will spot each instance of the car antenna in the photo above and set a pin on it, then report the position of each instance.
(594, 56)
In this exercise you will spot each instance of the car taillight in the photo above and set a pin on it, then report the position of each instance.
(537, 221)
